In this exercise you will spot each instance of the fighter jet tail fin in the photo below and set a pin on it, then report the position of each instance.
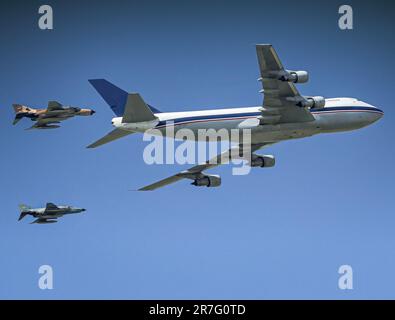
(23, 207)
(19, 108)
(115, 97)
(136, 110)
(20, 111)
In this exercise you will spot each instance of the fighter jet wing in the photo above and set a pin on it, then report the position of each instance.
(280, 97)
(237, 152)
(50, 206)
(54, 105)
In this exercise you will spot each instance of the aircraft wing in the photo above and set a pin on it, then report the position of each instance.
(237, 152)
(54, 105)
(50, 206)
(113, 135)
(280, 97)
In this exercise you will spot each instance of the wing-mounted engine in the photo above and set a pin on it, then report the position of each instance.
(287, 76)
(316, 102)
(293, 76)
(265, 161)
(207, 181)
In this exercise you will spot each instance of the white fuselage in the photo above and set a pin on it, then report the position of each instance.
(339, 114)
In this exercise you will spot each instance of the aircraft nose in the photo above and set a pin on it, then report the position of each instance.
(93, 112)
(378, 114)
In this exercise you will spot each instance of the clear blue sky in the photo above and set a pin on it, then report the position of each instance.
(276, 233)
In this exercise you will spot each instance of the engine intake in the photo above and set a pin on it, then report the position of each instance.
(295, 76)
(263, 161)
(312, 102)
(207, 181)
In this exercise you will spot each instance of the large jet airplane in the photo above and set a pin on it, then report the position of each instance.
(284, 114)
(48, 118)
(49, 214)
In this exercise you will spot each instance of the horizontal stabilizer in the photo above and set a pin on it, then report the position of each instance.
(22, 215)
(16, 120)
(136, 110)
(113, 135)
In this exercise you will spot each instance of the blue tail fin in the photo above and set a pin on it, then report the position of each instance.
(114, 96)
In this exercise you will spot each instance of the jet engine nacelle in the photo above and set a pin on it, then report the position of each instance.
(295, 76)
(207, 181)
(312, 102)
(263, 161)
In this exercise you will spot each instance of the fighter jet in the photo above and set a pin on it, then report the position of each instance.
(49, 214)
(50, 117)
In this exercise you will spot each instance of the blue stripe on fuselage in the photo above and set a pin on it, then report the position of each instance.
(209, 117)
(347, 109)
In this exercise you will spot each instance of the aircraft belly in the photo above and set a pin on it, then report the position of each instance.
(259, 134)
(51, 216)
(196, 128)
(344, 121)
(55, 117)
